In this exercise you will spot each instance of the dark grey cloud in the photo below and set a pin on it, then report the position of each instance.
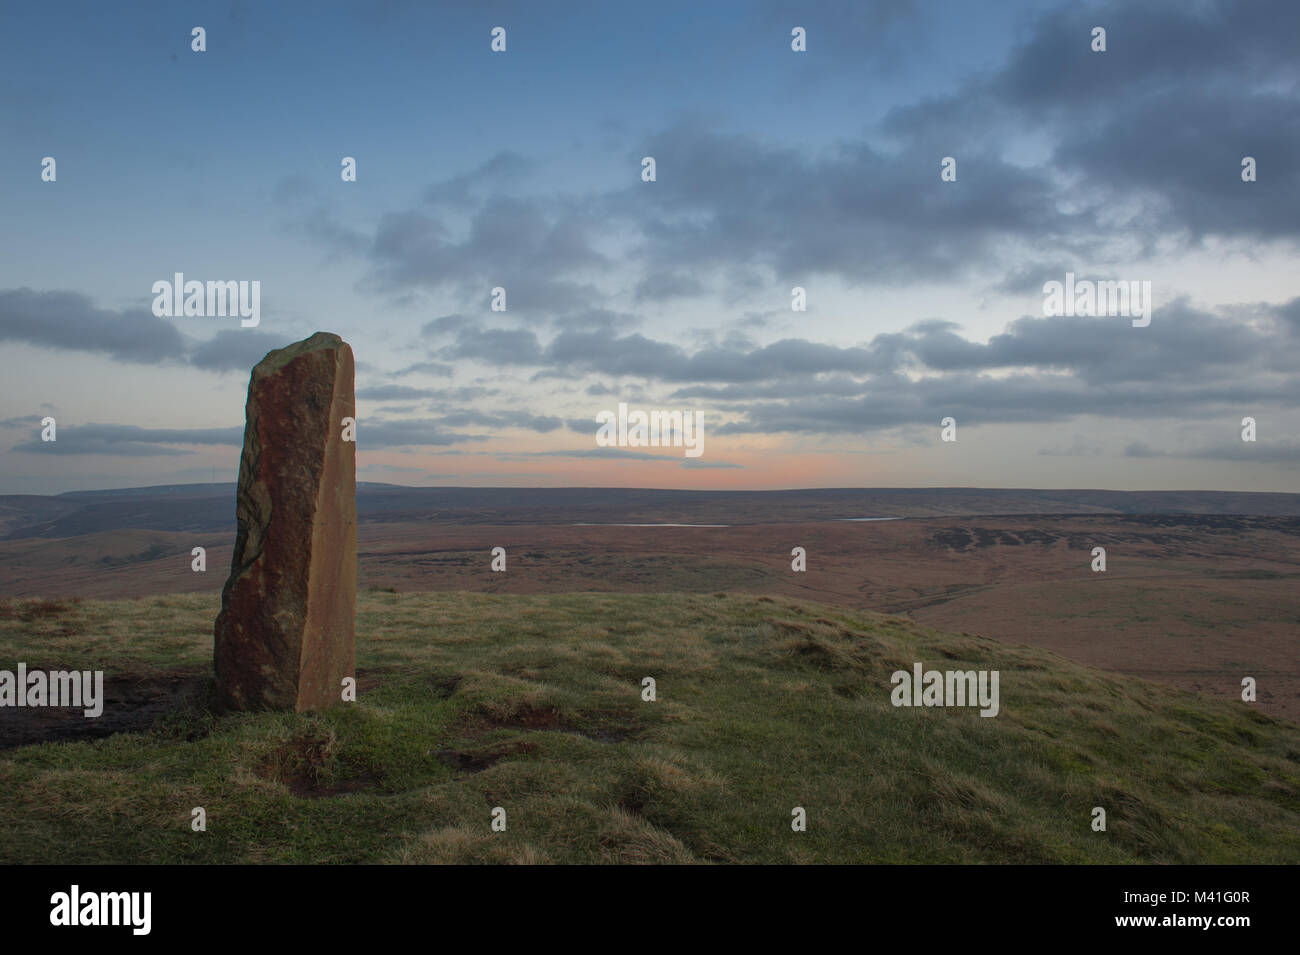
(235, 349)
(436, 368)
(124, 440)
(496, 346)
(393, 393)
(448, 429)
(1183, 342)
(1290, 313)
(529, 246)
(596, 319)
(664, 285)
(322, 224)
(637, 355)
(466, 190)
(501, 419)
(625, 355)
(294, 189)
(731, 203)
(1132, 147)
(1156, 126)
(22, 421)
(1238, 452)
(732, 394)
(1139, 144)
(308, 212)
(1159, 45)
(446, 324)
(409, 433)
(1187, 361)
(71, 321)
(855, 211)
(442, 397)
(1020, 398)
(121, 449)
(372, 434)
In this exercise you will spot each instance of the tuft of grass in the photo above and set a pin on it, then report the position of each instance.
(534, 704)
(36, 609)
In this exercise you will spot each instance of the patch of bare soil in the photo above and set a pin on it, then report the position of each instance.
(301, 764)
(601, 728)
(132, 703)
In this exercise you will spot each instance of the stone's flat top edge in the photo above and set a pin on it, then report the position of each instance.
(278, 358)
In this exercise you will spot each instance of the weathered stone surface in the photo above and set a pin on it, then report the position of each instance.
(285, 634)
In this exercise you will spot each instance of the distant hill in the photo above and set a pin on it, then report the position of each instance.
(211, 507)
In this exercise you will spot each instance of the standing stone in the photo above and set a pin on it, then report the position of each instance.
(284, 637)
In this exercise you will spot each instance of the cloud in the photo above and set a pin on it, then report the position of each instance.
(435, 368)
(1067, 160)
(235, 350)
(1238, 452)
(1088, 155)
(293, 189)
(596, 319)
(1080, 448)
(393, 393)
(496, 346)
(445, 324)
(323, 225)
(464, 191)
(856, 211)
(409, 433)
(1181, 342)
(1156, 126)
(538, 244)
(612, 453)
(442, 397)
(123, 440)
(502, 419)
(122, 449)
(1187, 361)
(72, 322)
(661, 286)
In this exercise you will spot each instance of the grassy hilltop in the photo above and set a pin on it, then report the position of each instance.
(533, 703)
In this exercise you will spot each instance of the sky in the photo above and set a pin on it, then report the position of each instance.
(522, 169)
